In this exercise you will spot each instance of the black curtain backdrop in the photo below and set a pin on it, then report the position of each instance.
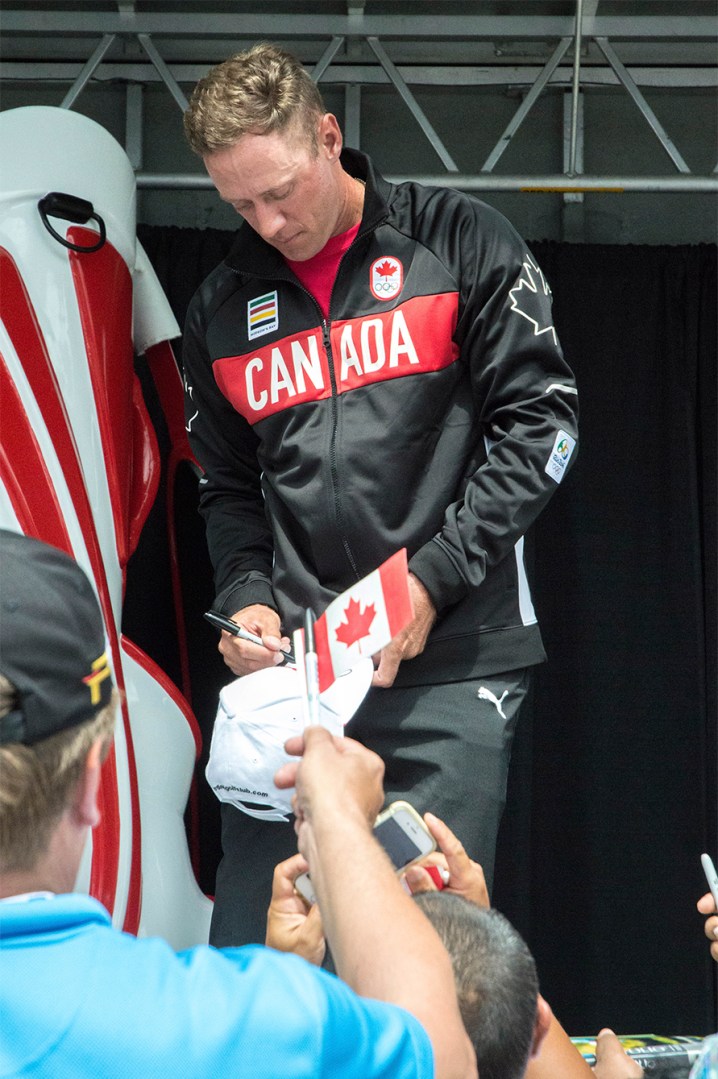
(612, 792)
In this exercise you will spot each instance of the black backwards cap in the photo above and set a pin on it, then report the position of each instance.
(52, 641)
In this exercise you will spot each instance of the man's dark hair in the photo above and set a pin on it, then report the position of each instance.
(496, 981)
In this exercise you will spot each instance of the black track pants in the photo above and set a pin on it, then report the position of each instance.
(446, 749)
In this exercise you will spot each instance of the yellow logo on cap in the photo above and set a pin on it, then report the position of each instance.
(100, 671)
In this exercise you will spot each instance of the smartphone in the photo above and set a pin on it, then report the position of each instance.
(401, 832)
(711, 876)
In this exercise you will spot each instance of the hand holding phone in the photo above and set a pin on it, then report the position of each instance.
(401, 832)
(439, 876)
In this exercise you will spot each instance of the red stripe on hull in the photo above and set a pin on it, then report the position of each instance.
(18, 315)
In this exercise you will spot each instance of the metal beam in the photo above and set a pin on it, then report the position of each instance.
(404, 27)
(642, 104)
(527, 104)
(409, 99)
(164, 72)
(133, 123)
(418, 33)
(326, 58)
(557, 184)
(38, 71)
(575, 86)
(87, 71)
(572, 143)
(573, 209)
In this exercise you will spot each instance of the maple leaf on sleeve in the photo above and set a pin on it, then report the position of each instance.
(357, 624)
(385, 269)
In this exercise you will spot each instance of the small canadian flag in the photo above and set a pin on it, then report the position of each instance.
(363, 619)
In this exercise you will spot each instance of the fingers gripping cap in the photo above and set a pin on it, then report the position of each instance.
(52, 641)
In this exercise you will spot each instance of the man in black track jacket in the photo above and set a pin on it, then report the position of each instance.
(373, 366)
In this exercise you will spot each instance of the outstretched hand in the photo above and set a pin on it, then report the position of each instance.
(332, 772)
(611, 1060)
(291, 925)
(706, 905)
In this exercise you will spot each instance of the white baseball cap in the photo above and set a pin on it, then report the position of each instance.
(256, 715)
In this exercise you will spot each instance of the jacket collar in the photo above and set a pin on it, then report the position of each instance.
(251, 254)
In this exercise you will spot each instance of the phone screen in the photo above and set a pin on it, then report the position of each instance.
(400, 847)
(403, 836)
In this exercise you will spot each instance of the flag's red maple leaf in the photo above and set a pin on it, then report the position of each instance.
(357, 623)
(385, 269)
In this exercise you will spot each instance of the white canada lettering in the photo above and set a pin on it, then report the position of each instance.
(280, 377)
(401, 342)
(304, 364)
(372, 327)
(366, 349)
(256, 401)
(372, 354)
(348, 353)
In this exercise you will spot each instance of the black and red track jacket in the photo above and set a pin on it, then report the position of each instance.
(433, 410)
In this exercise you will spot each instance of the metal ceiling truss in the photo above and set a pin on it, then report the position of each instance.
(345, 59)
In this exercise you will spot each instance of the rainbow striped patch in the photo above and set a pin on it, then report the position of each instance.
(262, 315)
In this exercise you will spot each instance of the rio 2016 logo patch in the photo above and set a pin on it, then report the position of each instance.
(560, 455)
(386, 277)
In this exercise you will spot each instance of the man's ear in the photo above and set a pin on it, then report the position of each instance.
(84, 804)
(544, 1015)
(330, 136)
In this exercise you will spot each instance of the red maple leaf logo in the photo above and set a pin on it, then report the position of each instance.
(357, 623)
(385, 269)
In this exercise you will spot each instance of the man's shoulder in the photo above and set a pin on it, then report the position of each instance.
(223, 286)
(446, 213)
(220, 1007)
(23, 918)
(447, 199)
(320, 1013)
(213, 291)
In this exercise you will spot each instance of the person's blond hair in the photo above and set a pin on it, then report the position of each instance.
(36, 781)
(255, 92)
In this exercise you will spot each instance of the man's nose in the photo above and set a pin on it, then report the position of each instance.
(270, 221)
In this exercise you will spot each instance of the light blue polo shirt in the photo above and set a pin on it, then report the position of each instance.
(79, 998)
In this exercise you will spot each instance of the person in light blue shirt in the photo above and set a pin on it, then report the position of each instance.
(79, 998)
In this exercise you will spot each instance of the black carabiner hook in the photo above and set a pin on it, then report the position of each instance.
(70, 208)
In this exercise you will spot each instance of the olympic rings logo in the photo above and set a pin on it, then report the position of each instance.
(386, 277)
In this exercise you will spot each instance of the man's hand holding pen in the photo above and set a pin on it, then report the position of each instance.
(255, 643)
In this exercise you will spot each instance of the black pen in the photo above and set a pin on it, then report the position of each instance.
(222, 622)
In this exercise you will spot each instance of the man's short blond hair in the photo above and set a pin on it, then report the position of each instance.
(256, 92)
(36, 781)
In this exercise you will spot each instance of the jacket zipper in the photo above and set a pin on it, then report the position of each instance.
(335, 405)
(333, 466)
